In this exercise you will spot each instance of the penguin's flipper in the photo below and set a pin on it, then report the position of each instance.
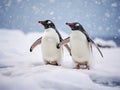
(37, 42)
(91, 48)
(91, 41)
(68, 48)
(63, 42)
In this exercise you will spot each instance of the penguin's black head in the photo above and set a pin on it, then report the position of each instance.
(47, 24)
(75, 26)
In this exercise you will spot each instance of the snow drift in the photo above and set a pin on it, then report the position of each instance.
(22, 70)
(105, 44)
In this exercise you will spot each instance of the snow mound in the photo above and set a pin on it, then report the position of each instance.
(105, 44)
(22, 70)
(106, 80)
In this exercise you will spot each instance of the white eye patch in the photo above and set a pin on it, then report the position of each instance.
(77, 24)
(48, 22)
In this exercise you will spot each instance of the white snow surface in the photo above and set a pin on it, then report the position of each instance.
(105, 43)
(22, 70)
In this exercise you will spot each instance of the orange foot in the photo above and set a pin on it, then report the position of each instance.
(87, 67)
(77, 67)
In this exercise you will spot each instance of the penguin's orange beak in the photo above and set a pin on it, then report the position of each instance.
(41, 22)
(69, 24)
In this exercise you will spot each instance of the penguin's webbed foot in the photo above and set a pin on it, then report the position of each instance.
(77, 66)
(87, 67)
(54, 63)
(81, 66)
(84, 67)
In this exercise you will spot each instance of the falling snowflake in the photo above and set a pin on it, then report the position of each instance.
(118, 17)
(51, 13)
(51, 1)
(119, 30)
(107, 14)
(36, 9)
(8, 4)
(19, 1)
(114, 4)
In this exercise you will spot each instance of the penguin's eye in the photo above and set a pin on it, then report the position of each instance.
(77, 24)
(48, 22)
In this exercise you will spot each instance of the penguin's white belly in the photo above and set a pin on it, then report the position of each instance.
(49, 51)
(79, 47)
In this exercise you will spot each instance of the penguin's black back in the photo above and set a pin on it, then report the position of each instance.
(59, 35)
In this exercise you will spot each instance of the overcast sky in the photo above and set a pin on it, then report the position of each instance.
(98, 17)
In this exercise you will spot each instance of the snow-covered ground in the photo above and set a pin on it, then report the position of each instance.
(103, 43)
(22, 70)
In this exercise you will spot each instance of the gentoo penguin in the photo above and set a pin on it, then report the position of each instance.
(49, 40)
(80, 44)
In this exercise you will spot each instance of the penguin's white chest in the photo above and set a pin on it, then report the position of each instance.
(48, 46)
(79, 46)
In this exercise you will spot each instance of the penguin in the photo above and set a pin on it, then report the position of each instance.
(49, 40)
(80, 44)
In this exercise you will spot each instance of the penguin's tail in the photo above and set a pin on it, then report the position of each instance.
(91, 41)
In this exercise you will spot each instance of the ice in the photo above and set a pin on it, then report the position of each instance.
(102, 42)
(22, 70)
